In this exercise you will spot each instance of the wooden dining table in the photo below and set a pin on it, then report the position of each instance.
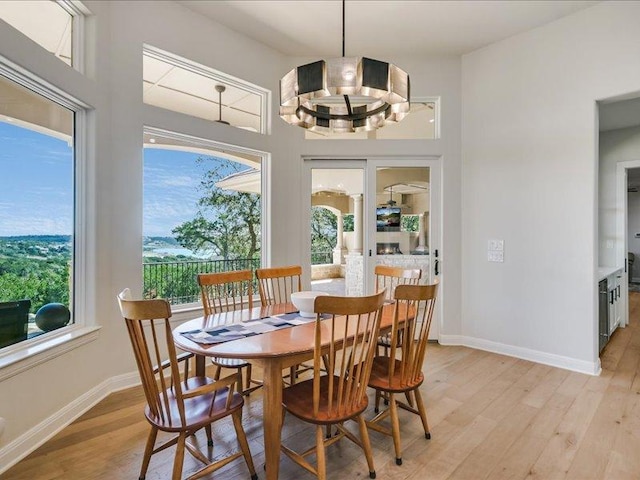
(272, 351)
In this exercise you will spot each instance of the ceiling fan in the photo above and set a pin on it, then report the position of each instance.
(391, 202)
(220, 89)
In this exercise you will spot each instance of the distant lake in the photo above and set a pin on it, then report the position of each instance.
(181, 251)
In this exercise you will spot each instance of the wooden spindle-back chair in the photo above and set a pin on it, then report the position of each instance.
(276, 285)
(389, 278)
(401, 371)
(178, 404)
(227, 292)
(340, 394)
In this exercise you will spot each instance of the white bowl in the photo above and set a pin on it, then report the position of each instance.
(304, 301)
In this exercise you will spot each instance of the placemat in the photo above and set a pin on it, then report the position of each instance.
(226, 333)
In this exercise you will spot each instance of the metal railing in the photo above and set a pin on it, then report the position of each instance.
(318, 258)
(176, 281)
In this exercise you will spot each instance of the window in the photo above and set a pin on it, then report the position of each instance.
(177, 84)
(421, 123)
(37, 207)
(202, 213)
(55, 26)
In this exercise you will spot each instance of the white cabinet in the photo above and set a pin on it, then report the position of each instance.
(615, 304)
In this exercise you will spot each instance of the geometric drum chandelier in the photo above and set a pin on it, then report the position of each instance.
(342, 95)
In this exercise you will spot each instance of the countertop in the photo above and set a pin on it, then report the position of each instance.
(604, 272)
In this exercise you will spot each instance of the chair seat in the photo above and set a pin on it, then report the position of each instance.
(298, 400)
(199, 411)
(379, 378)
(229, 362)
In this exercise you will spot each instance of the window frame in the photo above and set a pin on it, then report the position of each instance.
(28, 353)
(218, 76)
(181, 311)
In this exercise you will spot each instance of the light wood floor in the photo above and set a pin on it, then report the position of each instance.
(492, 417)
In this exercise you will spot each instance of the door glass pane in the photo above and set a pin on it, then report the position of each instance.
(336, 230)
(402, 218)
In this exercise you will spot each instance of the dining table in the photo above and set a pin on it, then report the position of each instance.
(273, 351)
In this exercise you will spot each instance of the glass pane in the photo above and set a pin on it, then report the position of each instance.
(44, 22)
(202, 213)
(336, 243)
(169, 84)
(402, 217)
(37, 212)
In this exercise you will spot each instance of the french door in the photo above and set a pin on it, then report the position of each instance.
(369, 212)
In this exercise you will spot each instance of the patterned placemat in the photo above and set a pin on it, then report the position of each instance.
(226, 333)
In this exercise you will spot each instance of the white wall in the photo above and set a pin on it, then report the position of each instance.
(530, 178)
(44, 397)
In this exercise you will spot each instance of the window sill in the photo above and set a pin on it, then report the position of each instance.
(25, 355)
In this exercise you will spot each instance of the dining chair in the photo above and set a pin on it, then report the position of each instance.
(226, 292)
(389, 278)
(349, 336)
(401, 371)
(14, 321)
(175, 404)
(276, 285)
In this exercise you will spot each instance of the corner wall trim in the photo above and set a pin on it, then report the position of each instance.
(22, 446)
(551, 359)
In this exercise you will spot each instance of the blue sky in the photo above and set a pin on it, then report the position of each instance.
(171, 189)
(36, 196)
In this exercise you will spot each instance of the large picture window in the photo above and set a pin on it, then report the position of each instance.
(37, 208)
(202, 213)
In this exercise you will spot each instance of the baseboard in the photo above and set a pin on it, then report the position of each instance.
(551, 359)
(22, 446)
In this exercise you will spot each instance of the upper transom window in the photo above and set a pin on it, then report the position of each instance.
(181, 85)
(50, 24)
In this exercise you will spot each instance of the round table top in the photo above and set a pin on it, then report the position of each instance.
(282, 342)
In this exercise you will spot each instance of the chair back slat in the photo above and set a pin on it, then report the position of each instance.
(277, 284)
(145, 320)
(349, 361)
(226, 291)
(390, 277)
(410, 332)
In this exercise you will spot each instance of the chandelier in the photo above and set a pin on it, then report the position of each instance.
(347, 94)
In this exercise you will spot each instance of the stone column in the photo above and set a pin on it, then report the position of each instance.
(339, 251)
(357, 223)
(421, 234)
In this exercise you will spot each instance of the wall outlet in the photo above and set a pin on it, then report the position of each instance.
(495, 256)
(496, 245)
(3, 422)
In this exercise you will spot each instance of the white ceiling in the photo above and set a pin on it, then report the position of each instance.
(382, 28)
(620, 114)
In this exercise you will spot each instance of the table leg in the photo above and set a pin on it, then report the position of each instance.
(200, 367)
(272, 415)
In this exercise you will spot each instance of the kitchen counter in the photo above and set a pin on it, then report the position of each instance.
(604, 272)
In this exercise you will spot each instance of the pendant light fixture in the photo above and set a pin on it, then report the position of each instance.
(220, 89)
(347, 94)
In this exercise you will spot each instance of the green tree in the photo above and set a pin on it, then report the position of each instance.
(323, 232)
(228, 222)
(410, 223)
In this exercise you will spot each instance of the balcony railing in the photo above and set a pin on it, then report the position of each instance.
(176, 281)
(318, 258)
